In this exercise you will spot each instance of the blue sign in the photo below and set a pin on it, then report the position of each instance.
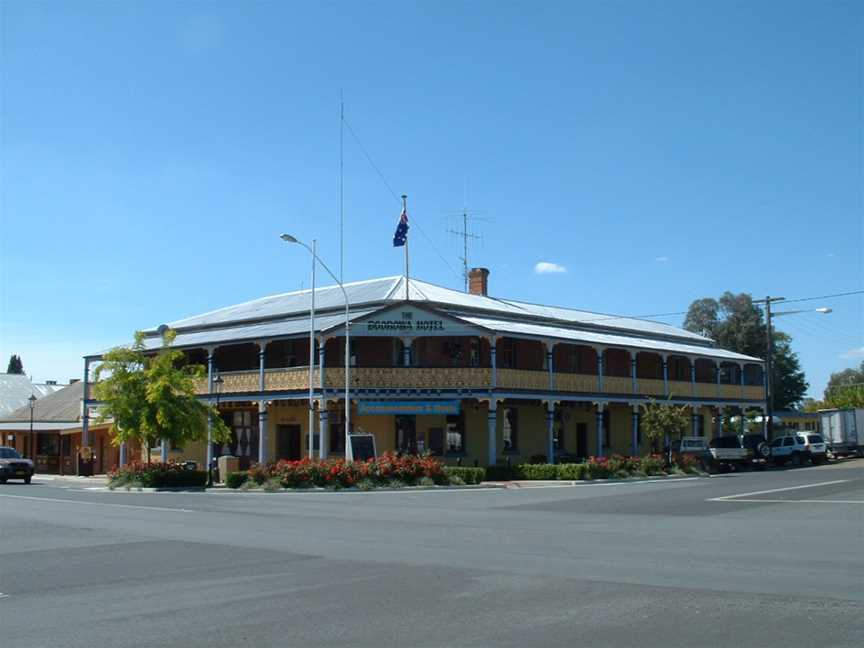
(409, 407)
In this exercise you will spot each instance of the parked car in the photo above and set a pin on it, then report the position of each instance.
(799, 448)
(760, 449)
(14, 466)
(721, 454)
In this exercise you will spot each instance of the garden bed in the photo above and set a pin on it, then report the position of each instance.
(156, 476)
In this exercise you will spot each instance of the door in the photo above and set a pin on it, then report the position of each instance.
(406, 434)
(288, 442)
(581, 440)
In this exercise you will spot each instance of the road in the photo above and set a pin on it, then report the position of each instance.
(753, 559)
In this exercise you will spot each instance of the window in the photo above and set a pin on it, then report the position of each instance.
(47, 444)
(455, 435)
(406, 434)
(814, 438)
(511, 429)
(788, 441)
(436, 441)
(776, 443)
(337, 431)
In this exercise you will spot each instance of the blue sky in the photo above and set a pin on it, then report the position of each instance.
(658, 151)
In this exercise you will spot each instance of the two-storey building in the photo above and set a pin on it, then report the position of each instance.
(461, 375)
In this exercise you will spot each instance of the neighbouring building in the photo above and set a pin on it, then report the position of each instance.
(466, 376)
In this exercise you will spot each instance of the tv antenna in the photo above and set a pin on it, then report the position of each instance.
(466, 235)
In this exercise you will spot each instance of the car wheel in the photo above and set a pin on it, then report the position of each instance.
(27, 479)
(763, 450)
(796, 459)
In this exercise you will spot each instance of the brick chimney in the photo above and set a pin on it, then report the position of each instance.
(478, 281)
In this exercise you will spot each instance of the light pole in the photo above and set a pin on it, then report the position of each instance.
(290, 239)
(217, 386)
(769, 362)
(32, 400)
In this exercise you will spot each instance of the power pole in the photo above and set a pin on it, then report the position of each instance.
(769, 365)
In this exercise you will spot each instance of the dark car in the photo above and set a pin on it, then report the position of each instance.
(756, 443)
(14, 466)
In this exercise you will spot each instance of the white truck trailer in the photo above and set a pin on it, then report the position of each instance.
(843, 430)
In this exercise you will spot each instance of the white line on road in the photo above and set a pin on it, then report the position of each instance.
(72, 501)
(726, 498)
(782, 501)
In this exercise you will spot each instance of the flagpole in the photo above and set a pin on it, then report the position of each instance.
(405, 211)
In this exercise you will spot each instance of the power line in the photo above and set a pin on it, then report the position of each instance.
(845, 294)
(396, 197)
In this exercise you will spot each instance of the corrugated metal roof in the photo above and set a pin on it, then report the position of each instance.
(253, 332)
(604, 339)
(15, 389)
(62, 405)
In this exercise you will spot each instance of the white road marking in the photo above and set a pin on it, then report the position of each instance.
(780, 501)
(726, 498)
(2, 595)
(72, 501)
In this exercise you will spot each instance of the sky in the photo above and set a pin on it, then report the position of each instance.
(623, 157)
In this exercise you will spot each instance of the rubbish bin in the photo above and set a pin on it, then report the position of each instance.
(227, 464)
(86, 460)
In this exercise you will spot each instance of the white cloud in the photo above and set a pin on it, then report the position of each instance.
(851, 354)
(661, 259)
(545, 267)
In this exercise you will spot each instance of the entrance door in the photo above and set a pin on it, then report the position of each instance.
(288, 442)
(406, 434)
(581, 440)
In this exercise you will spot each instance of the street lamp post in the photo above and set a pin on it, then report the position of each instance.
(32, 401)
(769, 361)
(217, 386)
(290, 239)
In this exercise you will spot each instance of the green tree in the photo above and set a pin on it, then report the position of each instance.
(15, 365)
(151, 396)
(737, 324)
(846, 388)
(664, 421)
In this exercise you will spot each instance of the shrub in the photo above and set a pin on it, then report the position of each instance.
(597, 468)
(653, 465)
(572, 471)
(271, 485)
(456, 480)
(236, 479)
(156, 475)
(501, 473)
(466, 475)
(259, 473)
(365, 484)
(538, 471)
(426, 481)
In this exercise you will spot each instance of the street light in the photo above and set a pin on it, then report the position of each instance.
(217, 386)
(769, 387)
(32, 400)
(290, 239)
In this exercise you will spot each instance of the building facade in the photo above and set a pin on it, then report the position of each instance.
(465, 376)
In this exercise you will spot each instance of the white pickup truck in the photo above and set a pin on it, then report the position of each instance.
(722, 453)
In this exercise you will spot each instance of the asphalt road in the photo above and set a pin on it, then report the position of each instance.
(756, 559)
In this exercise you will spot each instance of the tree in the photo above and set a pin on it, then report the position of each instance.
(15, 365)
(846, 388)
(737, 324)
(150, 397)
(664, 421)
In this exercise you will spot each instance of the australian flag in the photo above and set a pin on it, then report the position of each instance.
(401, 235)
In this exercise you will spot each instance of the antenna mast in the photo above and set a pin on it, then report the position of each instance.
(465, 234)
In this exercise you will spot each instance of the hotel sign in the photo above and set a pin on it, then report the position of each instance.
(410, 321)
(408, 407)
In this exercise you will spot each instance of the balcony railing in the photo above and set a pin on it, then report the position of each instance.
(297, 379)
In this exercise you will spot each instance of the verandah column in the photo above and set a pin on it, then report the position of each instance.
(634, 431)
(718, 429)
(323, 416)
(600, 431)
(600, 370)
(262, 406)
(665, 360)
(209, 454)
(550, 363)
(633, 377)
(550, 431)
(693, 377)
(694, 420)
(492, 432)
(85, 412)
